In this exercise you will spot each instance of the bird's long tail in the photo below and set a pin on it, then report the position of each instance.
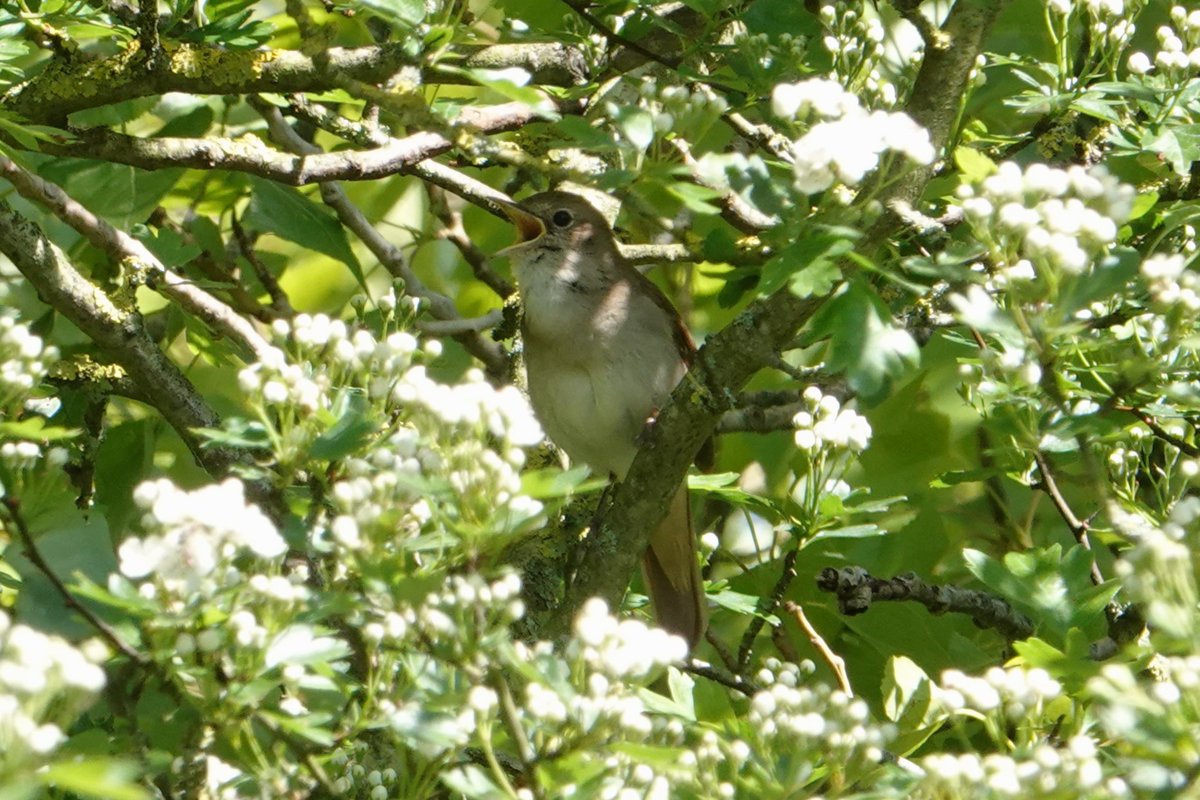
(672, 574)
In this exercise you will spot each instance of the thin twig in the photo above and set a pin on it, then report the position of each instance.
(456, 327)
(732, 680)
(1079, 527)
(1187, 448)
(835, 662)
(279, 299)
(13, 506)
(767, 606)
(723, 651)
(440, 306)
(452, 231)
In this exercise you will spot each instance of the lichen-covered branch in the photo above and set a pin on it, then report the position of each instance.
(118, 331)
(249, 154)
(65, 87)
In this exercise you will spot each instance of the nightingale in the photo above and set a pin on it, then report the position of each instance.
(603, 349)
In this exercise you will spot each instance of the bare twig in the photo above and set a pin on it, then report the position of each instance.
(452, 230)
(440, 306)
(1079, 527)
(1185, 447)
(766, 607)
(279, 299)
(835, 662)
(736, 211)
(729, 679)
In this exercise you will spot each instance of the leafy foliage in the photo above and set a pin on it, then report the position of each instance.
(278, 521)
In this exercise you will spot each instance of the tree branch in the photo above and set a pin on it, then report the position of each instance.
(440, 306)
(117, 330)
(122, 247)
(856, 589)
(65, 87)
(250, 155)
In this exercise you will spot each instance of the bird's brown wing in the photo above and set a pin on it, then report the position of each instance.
(672, 574)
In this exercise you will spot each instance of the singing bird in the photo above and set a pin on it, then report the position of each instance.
(603, 349)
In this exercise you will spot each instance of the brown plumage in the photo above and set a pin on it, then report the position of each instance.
(603, 350)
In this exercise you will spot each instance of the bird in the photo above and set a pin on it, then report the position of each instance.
(603, 349)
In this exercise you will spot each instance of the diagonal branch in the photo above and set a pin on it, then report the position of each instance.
(440, 306)
(120, 246)
(13, 506)
(117, 330)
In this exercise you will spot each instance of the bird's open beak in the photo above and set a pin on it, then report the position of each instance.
(529, 226)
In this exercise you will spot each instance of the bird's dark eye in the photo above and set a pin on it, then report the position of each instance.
(562, 218)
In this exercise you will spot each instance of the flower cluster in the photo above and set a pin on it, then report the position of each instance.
(1107, 19)
(466, 437)
(1045, 220)
(1179, 48)
(1016, 694)
(1171, 284)
(1042, 771)
(23, 360)
(871, 56)
(194, 537)
(848, 141)
(327, 353)
(1158, 571)
(622, 649)
(678, 108)
(825, 424)
(45, 682)
(812, 723)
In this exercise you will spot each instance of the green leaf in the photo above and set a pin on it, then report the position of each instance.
(36, 429)
(972, 164)
(168, 245)
(237, 432)
(105, 778)
(1095, 105)
(511, 84)
(636, 125)
(471, 781)
(1179, 145)
(550, 483)
(863, 341)
(695, 198)
(849, 532)
(808, 265)
(27, 134)
(290, 215)
(353, 428)
(406, 13)
(1142, 204)
(739, 603)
